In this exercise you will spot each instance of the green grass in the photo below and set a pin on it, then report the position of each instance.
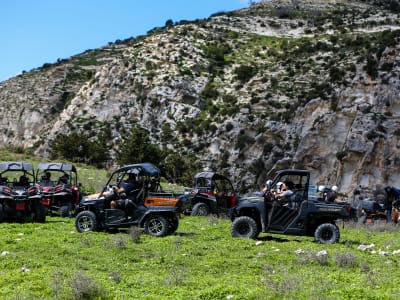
(201, 261)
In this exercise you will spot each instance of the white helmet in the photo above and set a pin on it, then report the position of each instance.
(268, 183)
(335, 188)
(321, 188)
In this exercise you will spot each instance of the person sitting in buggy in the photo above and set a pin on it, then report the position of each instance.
(23, 180)
(63, 179)
(124, 196)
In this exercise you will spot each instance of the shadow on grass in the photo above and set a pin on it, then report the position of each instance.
(276, 239)
(185, 234)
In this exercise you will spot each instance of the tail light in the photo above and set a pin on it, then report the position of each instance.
(6, 190)
(33, 191)
(46, 201)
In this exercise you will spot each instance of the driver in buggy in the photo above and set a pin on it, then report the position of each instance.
(124, 196)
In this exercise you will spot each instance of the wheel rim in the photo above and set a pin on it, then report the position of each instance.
(326, 234)
(155, 226)
(243, 228)
(85, 223)
(202, 210)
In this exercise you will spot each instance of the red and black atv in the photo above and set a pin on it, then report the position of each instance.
(20, 197)
(372, 211)
(213, 193)
(59, 186)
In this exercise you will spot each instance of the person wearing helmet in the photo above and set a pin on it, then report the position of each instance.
(331, 196)
(279, 186)
(286, 191)
(321, 193)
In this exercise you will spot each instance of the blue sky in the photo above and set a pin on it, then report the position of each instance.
(34, 32)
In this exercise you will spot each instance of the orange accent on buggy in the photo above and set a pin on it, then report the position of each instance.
(160, 201)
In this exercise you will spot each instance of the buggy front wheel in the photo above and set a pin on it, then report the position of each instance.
(157, 226)
(200, 209)
(86, 221)
(245, 227)
(327, 233)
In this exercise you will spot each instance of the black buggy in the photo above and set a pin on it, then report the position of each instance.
(297, 215)
(20, 197)
(59, 186)
(94, 212)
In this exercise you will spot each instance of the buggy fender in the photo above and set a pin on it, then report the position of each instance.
(210, 201)
(158, 210)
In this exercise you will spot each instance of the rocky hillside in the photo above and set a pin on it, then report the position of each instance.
(281, 84)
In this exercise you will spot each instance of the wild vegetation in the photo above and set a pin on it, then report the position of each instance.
(241, 88)
(201, 261)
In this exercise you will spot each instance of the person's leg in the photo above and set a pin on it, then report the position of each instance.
(389, 215)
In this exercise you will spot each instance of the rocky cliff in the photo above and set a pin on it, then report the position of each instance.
(281, 84)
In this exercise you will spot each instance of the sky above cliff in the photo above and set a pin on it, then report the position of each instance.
(35, 32)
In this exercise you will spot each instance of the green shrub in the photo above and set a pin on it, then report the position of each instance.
(245, 73)
(341, 154)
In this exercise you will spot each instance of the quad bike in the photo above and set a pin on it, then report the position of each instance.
(372, 211)
(59, 186)
(20, 197)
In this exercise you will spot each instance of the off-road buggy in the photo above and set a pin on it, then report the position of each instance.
(372, 211)
(371, 204)
(213, 193)
(20, 198)
(300, 215)
(59, 186)
(148, 208)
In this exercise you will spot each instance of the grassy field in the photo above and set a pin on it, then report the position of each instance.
(200, 261)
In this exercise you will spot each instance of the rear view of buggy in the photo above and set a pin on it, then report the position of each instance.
(60, 188)
(20, 197)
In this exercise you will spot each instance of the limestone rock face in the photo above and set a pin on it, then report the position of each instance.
(281, 84)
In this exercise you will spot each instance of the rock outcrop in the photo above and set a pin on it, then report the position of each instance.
(281, 84)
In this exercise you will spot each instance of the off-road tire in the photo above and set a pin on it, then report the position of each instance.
(245, 227)
(86, 221)
(327, 233)
(65, 210)
(200, 209)
(157, 225)
(173, 224)
(40, 213)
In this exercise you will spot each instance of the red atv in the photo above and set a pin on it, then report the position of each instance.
(60, 188)
(20, 198)
(213, 193)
